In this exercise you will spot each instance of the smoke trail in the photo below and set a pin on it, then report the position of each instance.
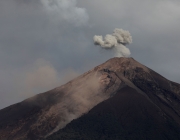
(66, 10)
(118, 39)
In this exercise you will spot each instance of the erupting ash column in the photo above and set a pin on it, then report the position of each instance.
(118, 39)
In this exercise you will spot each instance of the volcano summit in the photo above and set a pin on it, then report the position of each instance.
(119, 99)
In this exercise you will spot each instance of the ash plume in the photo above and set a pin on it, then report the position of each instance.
(117, 40)
(66, 10)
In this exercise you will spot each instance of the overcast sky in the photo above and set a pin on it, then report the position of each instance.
(44, 43)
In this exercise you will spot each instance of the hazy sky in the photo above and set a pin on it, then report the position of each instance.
(44, 43)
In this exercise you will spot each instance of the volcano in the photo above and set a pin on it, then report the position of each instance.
(119, 99)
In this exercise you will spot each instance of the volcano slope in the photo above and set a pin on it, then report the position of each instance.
(146, 107)
(120, 99)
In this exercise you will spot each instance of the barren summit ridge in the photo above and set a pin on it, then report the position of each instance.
(42, 115)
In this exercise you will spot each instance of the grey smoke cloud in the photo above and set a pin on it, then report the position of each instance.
(42, 76)
(118, 39)
(67, 10)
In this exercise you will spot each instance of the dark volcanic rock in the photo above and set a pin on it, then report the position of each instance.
(128, 115)
(129, 101)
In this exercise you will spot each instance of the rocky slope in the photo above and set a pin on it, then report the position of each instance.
(128, 115)
(131, 88)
